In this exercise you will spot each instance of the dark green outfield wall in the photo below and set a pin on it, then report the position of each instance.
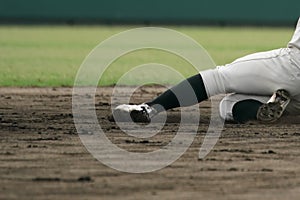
(152, 11)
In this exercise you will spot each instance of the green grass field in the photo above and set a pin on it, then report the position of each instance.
(51, 55)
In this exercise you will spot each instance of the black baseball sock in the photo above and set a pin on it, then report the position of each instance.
(245, 110)
(189, 92)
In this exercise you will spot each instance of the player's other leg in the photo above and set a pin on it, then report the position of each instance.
(240, 108)
(188, 92)
(243, 108)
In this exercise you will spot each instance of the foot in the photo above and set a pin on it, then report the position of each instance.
(273, 110)
(137, 113)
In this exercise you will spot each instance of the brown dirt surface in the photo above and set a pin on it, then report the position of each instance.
(42, 157)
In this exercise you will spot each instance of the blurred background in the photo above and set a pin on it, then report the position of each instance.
(210, 12)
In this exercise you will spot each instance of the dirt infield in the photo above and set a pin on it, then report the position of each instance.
(42, 157)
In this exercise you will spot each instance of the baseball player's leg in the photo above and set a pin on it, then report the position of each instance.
(240, 107)
(188, 92)
(256, 74)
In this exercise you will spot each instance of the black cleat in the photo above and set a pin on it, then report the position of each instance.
(273, 110)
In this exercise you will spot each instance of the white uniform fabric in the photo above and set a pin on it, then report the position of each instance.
(258, 76)
(295, 42)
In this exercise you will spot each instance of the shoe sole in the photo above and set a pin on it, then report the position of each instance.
(272, 111)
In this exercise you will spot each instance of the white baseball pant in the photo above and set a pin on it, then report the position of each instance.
(258, 76)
